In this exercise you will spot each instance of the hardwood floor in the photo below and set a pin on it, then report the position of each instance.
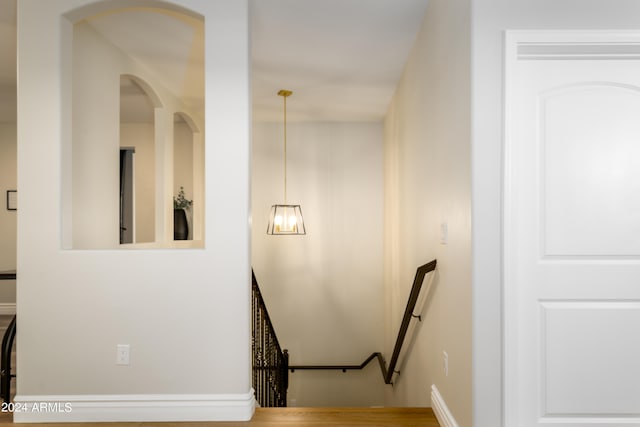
(400, 417)
(306, 417)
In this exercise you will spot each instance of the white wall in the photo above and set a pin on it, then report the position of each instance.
(490, 19)
(323, 290)
(428, 183)
(170, 306)
(7, 218)
(94, 167)
(183, 159)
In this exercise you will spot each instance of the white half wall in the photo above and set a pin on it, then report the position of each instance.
(323, 290)
(170, 306)
(428, 187)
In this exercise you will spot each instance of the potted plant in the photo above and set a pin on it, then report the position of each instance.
(180, 225)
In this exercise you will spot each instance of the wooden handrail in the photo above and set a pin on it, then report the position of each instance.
(387, 373)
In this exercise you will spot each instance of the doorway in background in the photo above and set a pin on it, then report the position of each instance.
(127, 205)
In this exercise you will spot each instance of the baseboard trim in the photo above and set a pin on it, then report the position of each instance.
(133, 408)
(441, 409)
(7, 308)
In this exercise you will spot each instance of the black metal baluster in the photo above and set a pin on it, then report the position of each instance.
(270, 362)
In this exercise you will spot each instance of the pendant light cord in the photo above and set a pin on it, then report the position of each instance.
(284, 94)
(285, 148)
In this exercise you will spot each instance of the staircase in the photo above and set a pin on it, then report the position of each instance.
(271, 363)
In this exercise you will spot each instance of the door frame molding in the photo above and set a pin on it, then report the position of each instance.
(526, 45)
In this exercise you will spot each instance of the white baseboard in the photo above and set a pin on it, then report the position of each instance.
(441, 409)
(8, 308)
(133, 408)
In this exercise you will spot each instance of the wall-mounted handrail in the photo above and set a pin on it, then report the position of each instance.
(387, 372)
(343, 368)
(408, 315)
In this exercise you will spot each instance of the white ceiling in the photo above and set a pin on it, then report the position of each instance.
(341, 58)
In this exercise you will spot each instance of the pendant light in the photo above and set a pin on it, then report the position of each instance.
(285, 219)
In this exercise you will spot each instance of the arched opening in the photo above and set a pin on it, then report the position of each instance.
(137, 190)
(188, 167)
(134, 65)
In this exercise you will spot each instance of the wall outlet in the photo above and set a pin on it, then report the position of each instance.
(122, 354)
(445, 363)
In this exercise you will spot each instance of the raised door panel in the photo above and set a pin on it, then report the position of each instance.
(590, 161)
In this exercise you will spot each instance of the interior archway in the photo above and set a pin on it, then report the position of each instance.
(127, 84)
(137, 191)
(188, 169)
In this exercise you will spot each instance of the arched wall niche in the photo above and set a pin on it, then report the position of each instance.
(106, 45)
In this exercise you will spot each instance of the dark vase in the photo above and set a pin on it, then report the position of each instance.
(180, 226)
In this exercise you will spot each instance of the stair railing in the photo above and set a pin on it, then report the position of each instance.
(270, 362)
(387, 372)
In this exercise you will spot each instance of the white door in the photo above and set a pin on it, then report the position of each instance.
(572, 229)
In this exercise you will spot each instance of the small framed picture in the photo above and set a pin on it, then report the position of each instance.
(12, 200)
